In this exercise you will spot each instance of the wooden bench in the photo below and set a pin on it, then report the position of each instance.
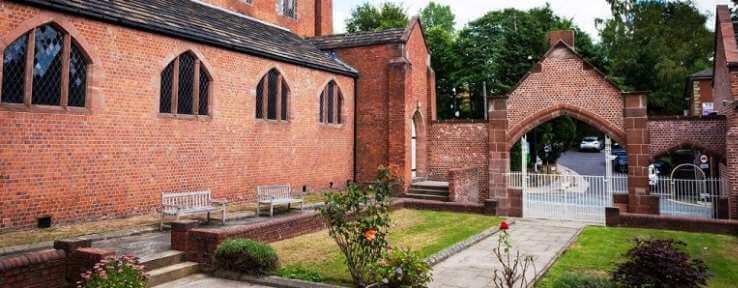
(276, 195)
(188, 203)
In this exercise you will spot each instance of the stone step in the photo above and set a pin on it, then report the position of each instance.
(171, 273)
(427, 197)
(436, 192)
(162, 259)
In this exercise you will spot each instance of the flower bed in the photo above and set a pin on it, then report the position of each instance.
(427, 232)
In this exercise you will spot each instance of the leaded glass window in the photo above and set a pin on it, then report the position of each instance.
(272, 97)
(331, 104)
(185, 87)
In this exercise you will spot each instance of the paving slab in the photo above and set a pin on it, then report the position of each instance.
(473, 267)
(204, 281)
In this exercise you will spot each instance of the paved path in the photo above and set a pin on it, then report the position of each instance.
(204, 281)
(473, 267)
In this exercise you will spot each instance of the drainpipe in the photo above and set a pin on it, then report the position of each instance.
(356, 117)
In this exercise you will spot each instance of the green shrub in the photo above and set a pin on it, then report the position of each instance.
(300, 273)
(661, 263)
(402, 268)
(246, 256)
(111, 272)
(571, 280)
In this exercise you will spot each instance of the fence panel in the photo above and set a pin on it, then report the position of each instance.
(689, 198)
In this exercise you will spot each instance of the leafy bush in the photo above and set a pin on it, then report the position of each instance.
(660, 263)
(402, 268)
(358, 220)
(111, 272)
(246, 256)
(571, 280)
(300, 273)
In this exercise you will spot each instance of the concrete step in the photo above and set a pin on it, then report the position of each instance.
(162, 259)
(436, 192)
(171, 273)
(427, 197)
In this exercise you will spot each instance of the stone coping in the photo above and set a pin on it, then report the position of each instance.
(272, 281)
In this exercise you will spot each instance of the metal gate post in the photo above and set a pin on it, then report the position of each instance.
(524, 171)
(608, 170)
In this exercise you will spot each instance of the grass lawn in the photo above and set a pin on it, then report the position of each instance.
(599, 249)
(427, 232)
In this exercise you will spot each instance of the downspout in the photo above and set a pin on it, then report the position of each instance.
(356, 117)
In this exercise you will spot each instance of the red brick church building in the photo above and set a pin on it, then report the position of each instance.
(106, 104)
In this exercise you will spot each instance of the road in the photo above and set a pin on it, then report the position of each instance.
(584, 163)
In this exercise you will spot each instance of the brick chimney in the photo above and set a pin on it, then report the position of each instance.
(562, 35)
(323, 17)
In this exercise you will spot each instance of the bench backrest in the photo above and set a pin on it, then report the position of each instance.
(187, 199)
(271, 192)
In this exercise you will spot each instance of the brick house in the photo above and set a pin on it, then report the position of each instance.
(699, 93)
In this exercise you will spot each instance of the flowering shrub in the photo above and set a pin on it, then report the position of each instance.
(402, 268)
(246, 256)
(123, 272)
(514, 265)
(358, 220)
(660, 263)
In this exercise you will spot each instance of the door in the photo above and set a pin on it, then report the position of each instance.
(413, 151)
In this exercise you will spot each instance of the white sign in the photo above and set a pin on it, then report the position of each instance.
(704, 158)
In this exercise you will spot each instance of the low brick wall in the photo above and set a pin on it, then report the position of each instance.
(464, 184)
(614, 218)
(200, 243)
(38, 269)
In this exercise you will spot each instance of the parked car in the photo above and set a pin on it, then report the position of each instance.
(591, 144)
(620, 162)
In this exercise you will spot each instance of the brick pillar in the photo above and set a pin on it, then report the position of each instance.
(432, 95)
(83, 259)
(636, 134)
(398, 148)
(731, 155)
(498, 156)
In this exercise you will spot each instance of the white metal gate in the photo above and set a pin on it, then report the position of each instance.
(567, 197)
(696, 198)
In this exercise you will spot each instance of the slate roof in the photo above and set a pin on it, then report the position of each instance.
(198, 22)
(396, 35)
(704, 74)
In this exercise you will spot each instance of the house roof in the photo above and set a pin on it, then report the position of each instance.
(395, 35)
(195, 21)
(704, 74)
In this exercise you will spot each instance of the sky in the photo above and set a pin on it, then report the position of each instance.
(583, 12)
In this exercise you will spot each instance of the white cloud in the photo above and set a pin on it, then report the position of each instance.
(583, 12)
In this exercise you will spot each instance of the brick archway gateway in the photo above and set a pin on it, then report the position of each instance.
(564, 83)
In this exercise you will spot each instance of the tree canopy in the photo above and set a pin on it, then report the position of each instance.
(368, 17)
(655, 46)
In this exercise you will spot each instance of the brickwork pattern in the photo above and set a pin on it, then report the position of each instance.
(615, 218)
(116, 159)
(464, 184)
(668, 134)
(566, 82)
(314, 17)
(40, 269)
(458, 144)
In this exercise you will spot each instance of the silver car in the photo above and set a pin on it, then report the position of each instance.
(591, 143)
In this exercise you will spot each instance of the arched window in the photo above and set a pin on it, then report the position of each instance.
(331, 104)
(56, 76)
(185, 87)
(272, 96)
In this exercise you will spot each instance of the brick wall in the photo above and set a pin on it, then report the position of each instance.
(458, 144)
(667, 134)
(464, 184)
(314, 17)
(117, 159)
(614, 218)
(40, 269)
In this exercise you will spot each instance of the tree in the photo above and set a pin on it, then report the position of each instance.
(438, 21)
(655, 46)
(368, 17)
(438, 16)
(501, 47)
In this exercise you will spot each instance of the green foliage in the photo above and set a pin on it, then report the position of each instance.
(111, 272)
(358, 220)
(246, 256)
(502, 46)
(368, 17)
(438, 16)
(560, 133)
(655, 46)
(661, 263)
(300, 272)
(571, 280)
(402, 268)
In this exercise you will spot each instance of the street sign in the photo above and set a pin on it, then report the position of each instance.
(704, 158)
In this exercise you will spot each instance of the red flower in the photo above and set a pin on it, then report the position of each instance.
(504, 226)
